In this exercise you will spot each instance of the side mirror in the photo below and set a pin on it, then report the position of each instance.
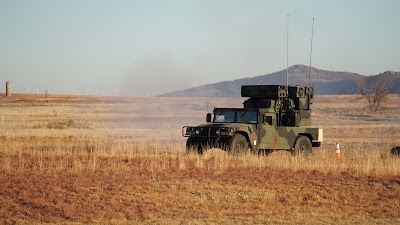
(208, 118)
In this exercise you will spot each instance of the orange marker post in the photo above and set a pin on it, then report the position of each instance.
(338, 154)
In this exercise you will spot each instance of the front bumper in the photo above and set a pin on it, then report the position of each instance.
(211, 132)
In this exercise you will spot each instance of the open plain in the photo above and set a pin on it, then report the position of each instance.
(118, 160)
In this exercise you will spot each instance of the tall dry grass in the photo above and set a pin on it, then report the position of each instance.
(77, 155)
(119, 134)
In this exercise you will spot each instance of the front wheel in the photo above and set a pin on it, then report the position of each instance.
(265, 152)
(193, 146)
(238, 145)
(302, 146)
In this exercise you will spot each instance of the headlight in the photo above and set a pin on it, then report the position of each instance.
(197, 131)
(217, 132)
(232, 129)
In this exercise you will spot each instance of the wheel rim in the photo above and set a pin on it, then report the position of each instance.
(303, 147)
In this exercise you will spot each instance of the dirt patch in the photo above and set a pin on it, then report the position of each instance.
(197, 195)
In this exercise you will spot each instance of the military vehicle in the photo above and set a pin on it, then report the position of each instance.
(274, 117)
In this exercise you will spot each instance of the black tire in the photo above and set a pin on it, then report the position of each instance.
(395, 151)
(238, 145)
(265, 152)
(193, 146)
(302, 146)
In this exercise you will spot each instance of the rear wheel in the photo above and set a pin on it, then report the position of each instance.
(238, 145)
(302, 146)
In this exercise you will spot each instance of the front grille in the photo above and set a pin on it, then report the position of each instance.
(206, 132)
(211, 132)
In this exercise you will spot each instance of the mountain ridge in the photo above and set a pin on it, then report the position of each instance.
(324, 82)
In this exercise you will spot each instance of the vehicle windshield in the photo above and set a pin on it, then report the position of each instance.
(235, 116)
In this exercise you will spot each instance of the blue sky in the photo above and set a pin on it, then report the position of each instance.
(151, 47)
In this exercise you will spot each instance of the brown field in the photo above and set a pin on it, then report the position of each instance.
(117, 160)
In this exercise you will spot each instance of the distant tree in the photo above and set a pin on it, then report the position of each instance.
(376, 90)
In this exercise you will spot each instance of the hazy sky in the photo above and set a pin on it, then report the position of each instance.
(155, 46)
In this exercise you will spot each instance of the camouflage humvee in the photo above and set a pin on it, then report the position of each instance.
(275, 117)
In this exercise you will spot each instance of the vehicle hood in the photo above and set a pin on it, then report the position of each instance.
(225, 125)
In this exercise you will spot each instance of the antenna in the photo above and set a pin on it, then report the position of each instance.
(287, 57)
(312, 35)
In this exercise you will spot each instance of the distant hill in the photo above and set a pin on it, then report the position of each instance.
(324, 83)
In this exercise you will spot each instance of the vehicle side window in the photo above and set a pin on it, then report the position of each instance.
(247, 117)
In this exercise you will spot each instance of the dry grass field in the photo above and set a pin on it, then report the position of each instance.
(119, 160)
